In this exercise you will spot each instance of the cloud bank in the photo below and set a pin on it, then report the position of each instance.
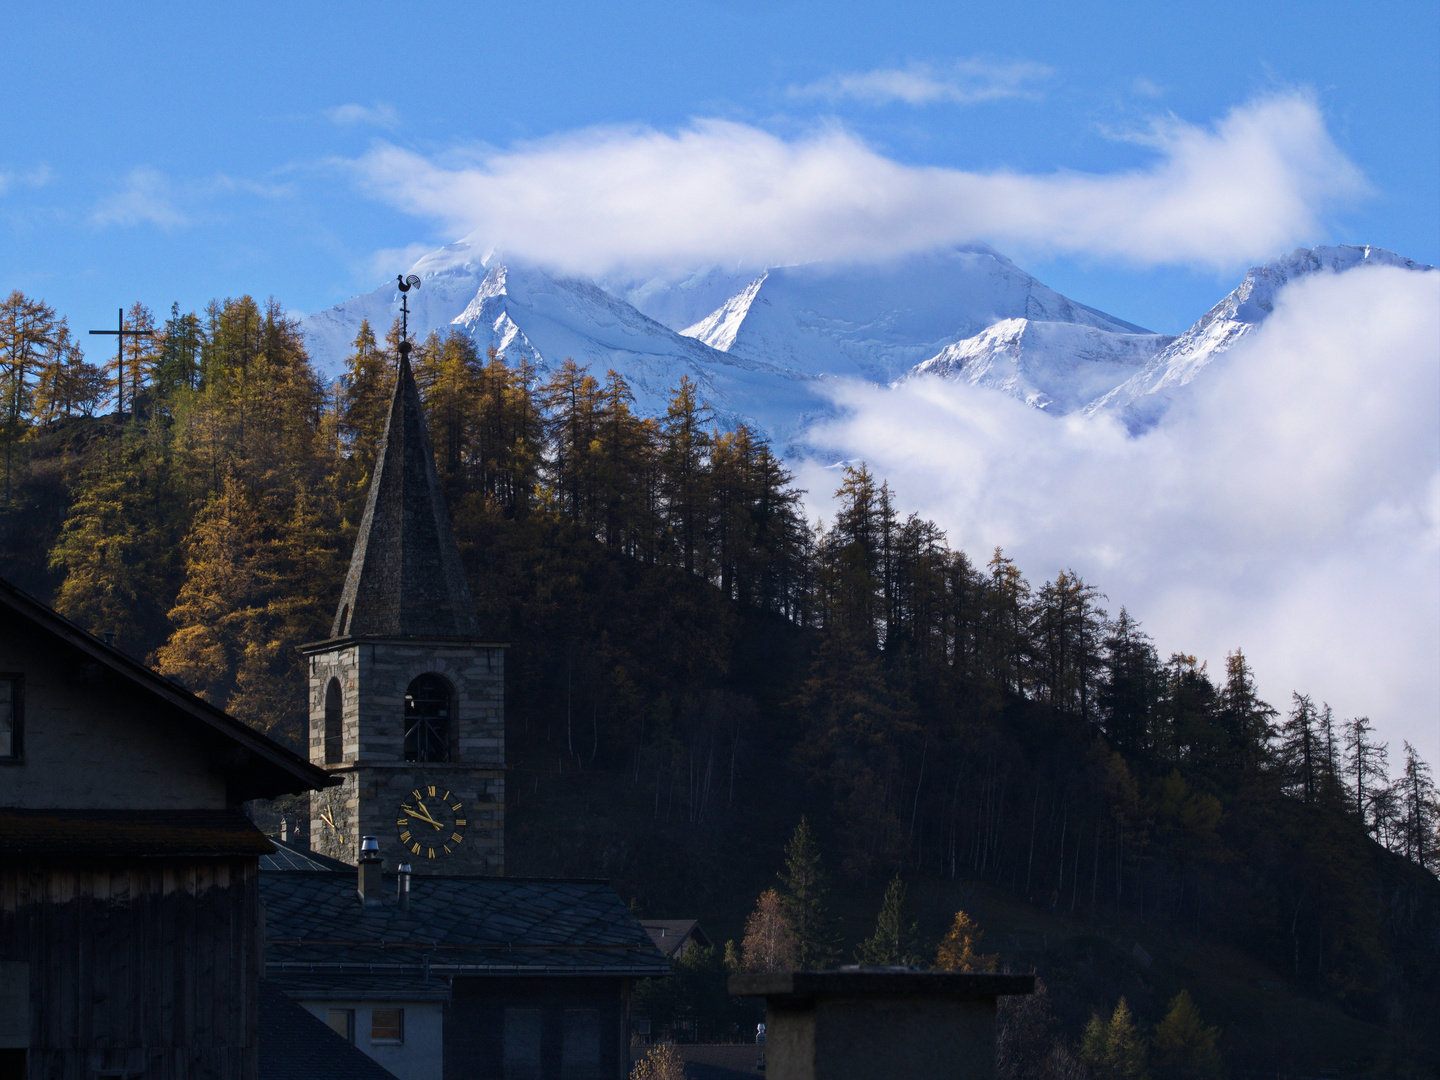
(1259, 180)
(964, 82)
(1290, 505)
(148, 198)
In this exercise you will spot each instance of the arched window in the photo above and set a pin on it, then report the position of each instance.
(334, 724)
(427, 719)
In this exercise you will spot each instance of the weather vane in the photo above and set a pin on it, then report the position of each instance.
(406, 284)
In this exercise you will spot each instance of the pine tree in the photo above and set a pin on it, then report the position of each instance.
(1184, 1047)
(960, 948)
(804, 892)
(894, 939)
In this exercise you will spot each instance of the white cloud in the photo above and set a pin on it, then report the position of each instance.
(35, 177)
(963, 82)
(378, 115)
(147, 198)
(1259, 180)
(1289, 506)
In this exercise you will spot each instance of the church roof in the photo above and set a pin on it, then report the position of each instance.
(406, 578)
(315, 927)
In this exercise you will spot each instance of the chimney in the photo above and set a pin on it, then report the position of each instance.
(369, 872)
(857, 1023)
(402, 887)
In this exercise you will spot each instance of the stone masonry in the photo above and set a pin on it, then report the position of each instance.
(373, 675)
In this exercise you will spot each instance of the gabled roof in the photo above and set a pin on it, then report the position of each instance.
(670, 935)
(316, 926)
(406, 578)
(255, 766)
(296, 1045)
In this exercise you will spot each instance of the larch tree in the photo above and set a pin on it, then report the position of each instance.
(769, 942)
(960, 947)
(1183, 1046)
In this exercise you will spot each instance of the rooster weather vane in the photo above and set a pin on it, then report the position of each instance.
(406, 284)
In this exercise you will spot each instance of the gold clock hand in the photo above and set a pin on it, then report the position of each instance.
(423, 817)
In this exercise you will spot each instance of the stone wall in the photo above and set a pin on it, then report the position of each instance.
(373, 677)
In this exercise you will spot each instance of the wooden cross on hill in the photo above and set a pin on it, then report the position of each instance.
(121, 333)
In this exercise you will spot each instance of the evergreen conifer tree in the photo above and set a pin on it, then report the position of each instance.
(894, 940)
(804, 894)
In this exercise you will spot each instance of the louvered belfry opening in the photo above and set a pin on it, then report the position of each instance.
(427, 719)
(334, 724)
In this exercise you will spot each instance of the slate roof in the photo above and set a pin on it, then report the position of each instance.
(406, 578)
(291, 856)
(316, 926)
(294, 1044)
(255, 766)
(129, 832)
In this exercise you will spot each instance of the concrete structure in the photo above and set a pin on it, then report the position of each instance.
(861, 1023)
(407, 703)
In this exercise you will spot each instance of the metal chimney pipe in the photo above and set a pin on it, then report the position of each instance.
(369, 872)
(402, 887)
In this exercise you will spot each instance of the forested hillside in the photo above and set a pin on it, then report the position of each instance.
(695, 666)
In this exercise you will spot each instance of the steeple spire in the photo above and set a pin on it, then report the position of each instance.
(406, 578)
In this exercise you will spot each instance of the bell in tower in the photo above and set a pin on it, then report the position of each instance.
(406, 700)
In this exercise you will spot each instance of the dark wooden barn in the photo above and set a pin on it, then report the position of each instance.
(131, 936)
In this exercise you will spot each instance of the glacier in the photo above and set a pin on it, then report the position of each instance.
(762, 343)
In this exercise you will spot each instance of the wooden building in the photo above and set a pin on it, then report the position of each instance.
(131, 942)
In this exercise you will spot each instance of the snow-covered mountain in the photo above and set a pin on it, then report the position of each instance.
(1145, 396)
(762, 344)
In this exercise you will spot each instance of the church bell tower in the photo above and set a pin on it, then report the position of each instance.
(407, 701)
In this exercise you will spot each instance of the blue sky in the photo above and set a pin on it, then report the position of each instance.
(182, 153)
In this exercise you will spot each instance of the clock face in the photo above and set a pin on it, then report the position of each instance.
(431, 822)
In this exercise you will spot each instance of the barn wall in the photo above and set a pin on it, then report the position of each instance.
(150, 967)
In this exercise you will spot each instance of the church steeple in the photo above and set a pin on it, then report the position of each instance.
(406, 578)
(407, 704)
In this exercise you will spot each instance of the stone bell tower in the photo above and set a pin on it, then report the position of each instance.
(407, 700)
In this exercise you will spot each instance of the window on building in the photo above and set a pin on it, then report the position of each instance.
(387, 1025)
(521, 1052)
(334, 724)
(427, 719)
(580, 1045)
(10, 718)
(342, 1022)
